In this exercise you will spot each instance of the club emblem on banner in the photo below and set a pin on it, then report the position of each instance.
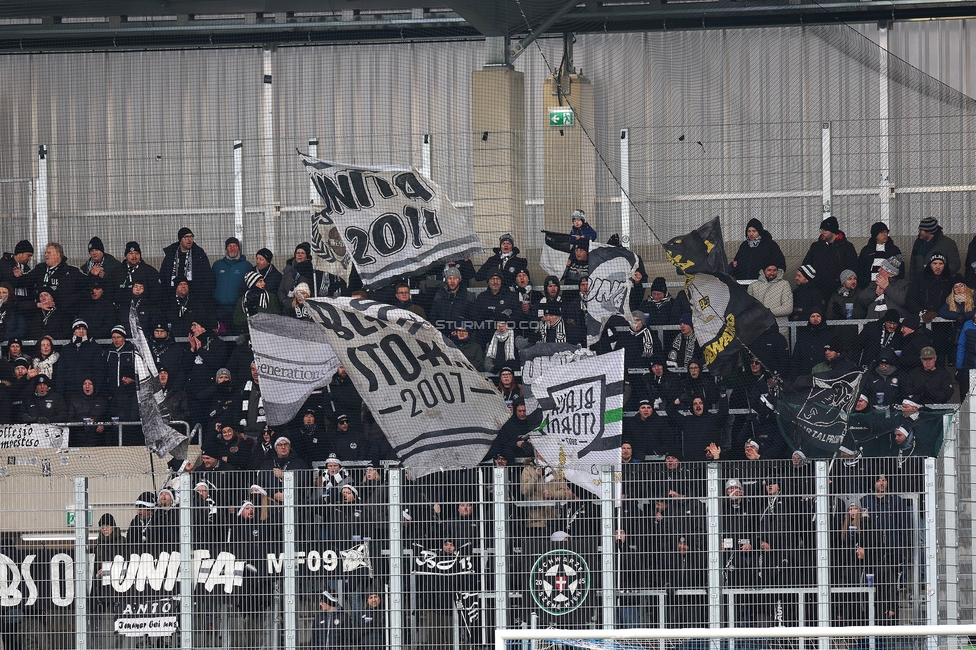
(560, 582)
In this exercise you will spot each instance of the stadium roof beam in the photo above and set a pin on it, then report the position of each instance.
(119, 24)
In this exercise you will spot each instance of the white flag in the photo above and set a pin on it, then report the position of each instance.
(581, 430)
(293, 358)
(394, 220)
(436, 409)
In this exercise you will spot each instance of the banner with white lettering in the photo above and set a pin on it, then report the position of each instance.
(293, 358)
(581, 431)
(538, 358)
(35, 436)
(612, 271)
(436, 409)
(395, 221)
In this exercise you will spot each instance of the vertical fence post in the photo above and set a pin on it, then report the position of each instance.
(950, 522)
(884, 195)
(501, 548)
(187, 578)
(714, 559)
(40, 201)
(291, 601)
(395, 478)
(81, 562)
(607, 528)
(822, 522)
(268, 145)
(827, 191)
(931, 524)
(625, 187)
(239, 189)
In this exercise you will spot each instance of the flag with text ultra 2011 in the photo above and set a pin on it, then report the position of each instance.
(436, 409)
(394, 220)
(817, 423)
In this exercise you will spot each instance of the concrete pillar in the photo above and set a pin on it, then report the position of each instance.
(498, 153)
(570, 159)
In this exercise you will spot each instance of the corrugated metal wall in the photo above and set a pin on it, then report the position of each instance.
(140, 143)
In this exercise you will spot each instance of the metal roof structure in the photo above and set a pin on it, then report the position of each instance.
(46, 25)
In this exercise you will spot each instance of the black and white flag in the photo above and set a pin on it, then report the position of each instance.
(583, 403)
(436, 409)
(540, 357)
(394, 221)
(161, 439)
(329, 252)
(555, 252)
(612, 271)
(816, 423)
(293, 358)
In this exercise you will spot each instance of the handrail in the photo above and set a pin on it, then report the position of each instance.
(118, 424)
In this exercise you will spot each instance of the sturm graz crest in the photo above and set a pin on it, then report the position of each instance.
(560, 582)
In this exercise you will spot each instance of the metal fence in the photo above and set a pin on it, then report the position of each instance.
(359, 557)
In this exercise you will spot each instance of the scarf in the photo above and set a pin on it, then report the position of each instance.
(253, 412)
(754, 243)
(254, 300)
(886, 338)
(49, 278)
(46, 314)
(676, 350)
(558, 329)
(89, 265)
(188, 266)
(648, 342)
(506, 340)
(302, 312)
(129, 272)
(961, 303)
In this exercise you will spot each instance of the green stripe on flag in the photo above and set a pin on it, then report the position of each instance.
(614, 415)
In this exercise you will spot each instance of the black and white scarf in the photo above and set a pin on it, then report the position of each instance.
(254, 300)
(676, 348)
(46, 314)
(558, 328)
(129, 272)
(648, 342)
(246, 404)
(187, 268)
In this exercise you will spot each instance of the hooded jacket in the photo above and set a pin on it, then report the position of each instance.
(774, 294)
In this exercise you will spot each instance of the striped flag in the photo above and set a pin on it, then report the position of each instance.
(555, 252)
(293, 358)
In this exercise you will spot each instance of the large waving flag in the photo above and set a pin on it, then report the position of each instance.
(436, 409)
(395, 221)
(581, 431)
(293, 358)
(612, 271)
(724, 315)
(555, 252)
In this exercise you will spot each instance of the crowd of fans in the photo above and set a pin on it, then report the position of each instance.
(210, 381)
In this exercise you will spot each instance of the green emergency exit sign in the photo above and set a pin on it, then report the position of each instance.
(70, 518)
(561, 117)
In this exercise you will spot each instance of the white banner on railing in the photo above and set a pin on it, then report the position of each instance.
(34, 436)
